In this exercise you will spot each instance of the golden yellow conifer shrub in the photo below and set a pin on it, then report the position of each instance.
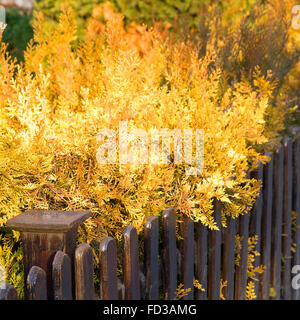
(53, 106)
(258, 33)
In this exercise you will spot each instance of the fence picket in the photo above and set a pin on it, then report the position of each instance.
(8, 292)
(151, 258)
(287, 218)
(296, 206)
(61, 275)
(169, 260)
(214, 256)
(84, 271)
(266, 228)
(201, 260)
(241, 269)
(108, 269)
(187, 251)
(131, 264)
(228, 258)
(255, 221)
(36, 284)
(277, 222)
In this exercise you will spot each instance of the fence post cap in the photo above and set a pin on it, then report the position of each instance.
(48, 220)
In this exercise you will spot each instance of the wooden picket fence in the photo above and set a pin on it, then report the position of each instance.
(205, 255)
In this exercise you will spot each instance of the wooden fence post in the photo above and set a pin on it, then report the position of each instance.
(43, 233)
(169, 260)
(241, 269)
(37, 284)
(214, 256)
(266, 229)
(287, 218)
(201, 260)
(151, 264)
(108, 269)
(296, 205)
(255, 221)
(277, 222)
(8, 292)
(131, 264)
(228, 258)
(62, 278)
(84, 271)
(187, 251)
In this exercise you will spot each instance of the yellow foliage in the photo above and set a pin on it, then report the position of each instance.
(252, 253)
(181, 292)
(273, 293)
(57, 102)
(250, 291)
(198, 285)
(53, 106)
(223, 284)
(252, 270)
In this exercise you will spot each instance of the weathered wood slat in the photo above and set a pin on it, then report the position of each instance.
(36, 284)
(8, 292)
(255, 221)
(214, 256)
(266, 229)
(187, 252)
(296, 206)
(61, 275)
(228, 258)
(108, 269)
(201, 260)
(169, 260)
(287, 218)
(241, 269)
(151, 264)
(84, 271)
(277, 222)
(43, 233)
(131, 264)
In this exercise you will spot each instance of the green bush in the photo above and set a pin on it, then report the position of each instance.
(82, 9)
(186, 13)
(18, 32)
